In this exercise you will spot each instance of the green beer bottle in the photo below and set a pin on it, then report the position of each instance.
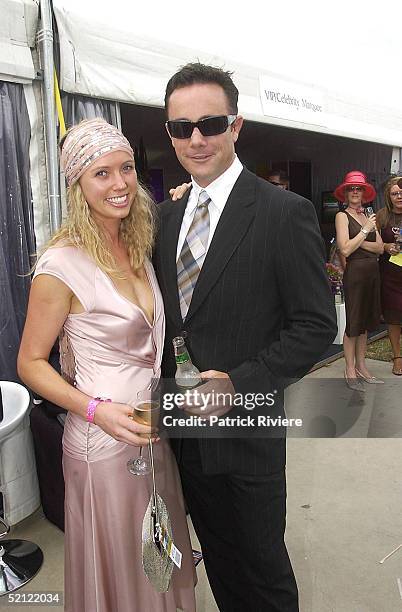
(187, 375)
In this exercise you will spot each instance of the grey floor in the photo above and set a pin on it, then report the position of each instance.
(344, 503)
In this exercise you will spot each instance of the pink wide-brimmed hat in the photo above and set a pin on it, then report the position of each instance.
(358, 179)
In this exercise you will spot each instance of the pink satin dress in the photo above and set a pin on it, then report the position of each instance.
(117, 352)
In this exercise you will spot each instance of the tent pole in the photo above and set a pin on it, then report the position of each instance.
(396, 162)
(45, 40)
(118, 114)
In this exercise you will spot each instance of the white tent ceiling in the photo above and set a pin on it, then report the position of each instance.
(347, 59)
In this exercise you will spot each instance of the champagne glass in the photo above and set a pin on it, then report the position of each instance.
(397, 231)
(146, 412)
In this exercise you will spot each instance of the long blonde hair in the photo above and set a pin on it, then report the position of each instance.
(137, 231)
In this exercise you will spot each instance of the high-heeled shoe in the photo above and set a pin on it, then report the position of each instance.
(395, 370)
(372, 380)
(353, 383)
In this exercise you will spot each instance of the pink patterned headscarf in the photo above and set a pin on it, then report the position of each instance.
(87, 142)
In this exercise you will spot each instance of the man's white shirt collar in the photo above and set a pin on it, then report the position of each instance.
(219, 189)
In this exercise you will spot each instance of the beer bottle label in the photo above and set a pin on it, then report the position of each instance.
(183, 358)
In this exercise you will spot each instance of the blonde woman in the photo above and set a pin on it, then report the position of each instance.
(95, 283)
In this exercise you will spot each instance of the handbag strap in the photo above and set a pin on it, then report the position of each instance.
(157, 530)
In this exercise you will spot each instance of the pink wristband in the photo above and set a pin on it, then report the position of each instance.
(92, 407)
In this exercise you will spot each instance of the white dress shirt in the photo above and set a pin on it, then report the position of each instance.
(219, 191)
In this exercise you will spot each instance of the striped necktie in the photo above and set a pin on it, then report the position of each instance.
(193, 253)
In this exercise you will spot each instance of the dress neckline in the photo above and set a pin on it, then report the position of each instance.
(123, 297)
(352, 217)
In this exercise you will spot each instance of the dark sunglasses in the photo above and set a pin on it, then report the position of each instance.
(210, 126)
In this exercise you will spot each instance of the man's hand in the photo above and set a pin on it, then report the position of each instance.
(213, 398)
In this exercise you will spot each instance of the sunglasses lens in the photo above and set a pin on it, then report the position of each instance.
(180, 129)
(212, 126)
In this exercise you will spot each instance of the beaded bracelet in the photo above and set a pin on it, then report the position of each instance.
(92, 404)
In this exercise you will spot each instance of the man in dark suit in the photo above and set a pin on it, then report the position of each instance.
(241, 269)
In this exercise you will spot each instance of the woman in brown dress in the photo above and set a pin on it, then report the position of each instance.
(389, 222)
(361, 244)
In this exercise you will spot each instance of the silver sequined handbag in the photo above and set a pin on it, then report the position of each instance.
(157, 564)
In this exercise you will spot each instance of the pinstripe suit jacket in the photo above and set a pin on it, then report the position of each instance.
(261, 309)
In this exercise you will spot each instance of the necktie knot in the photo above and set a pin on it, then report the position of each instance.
(203, 199)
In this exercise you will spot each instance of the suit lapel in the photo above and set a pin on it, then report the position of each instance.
(233, 224)
(169, 232)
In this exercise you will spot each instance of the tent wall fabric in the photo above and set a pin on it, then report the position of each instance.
(17, 241)
(76, 108)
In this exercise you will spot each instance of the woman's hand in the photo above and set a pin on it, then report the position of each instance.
(370, 224)
(390, 248)
(116, 420)
(178, 192)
